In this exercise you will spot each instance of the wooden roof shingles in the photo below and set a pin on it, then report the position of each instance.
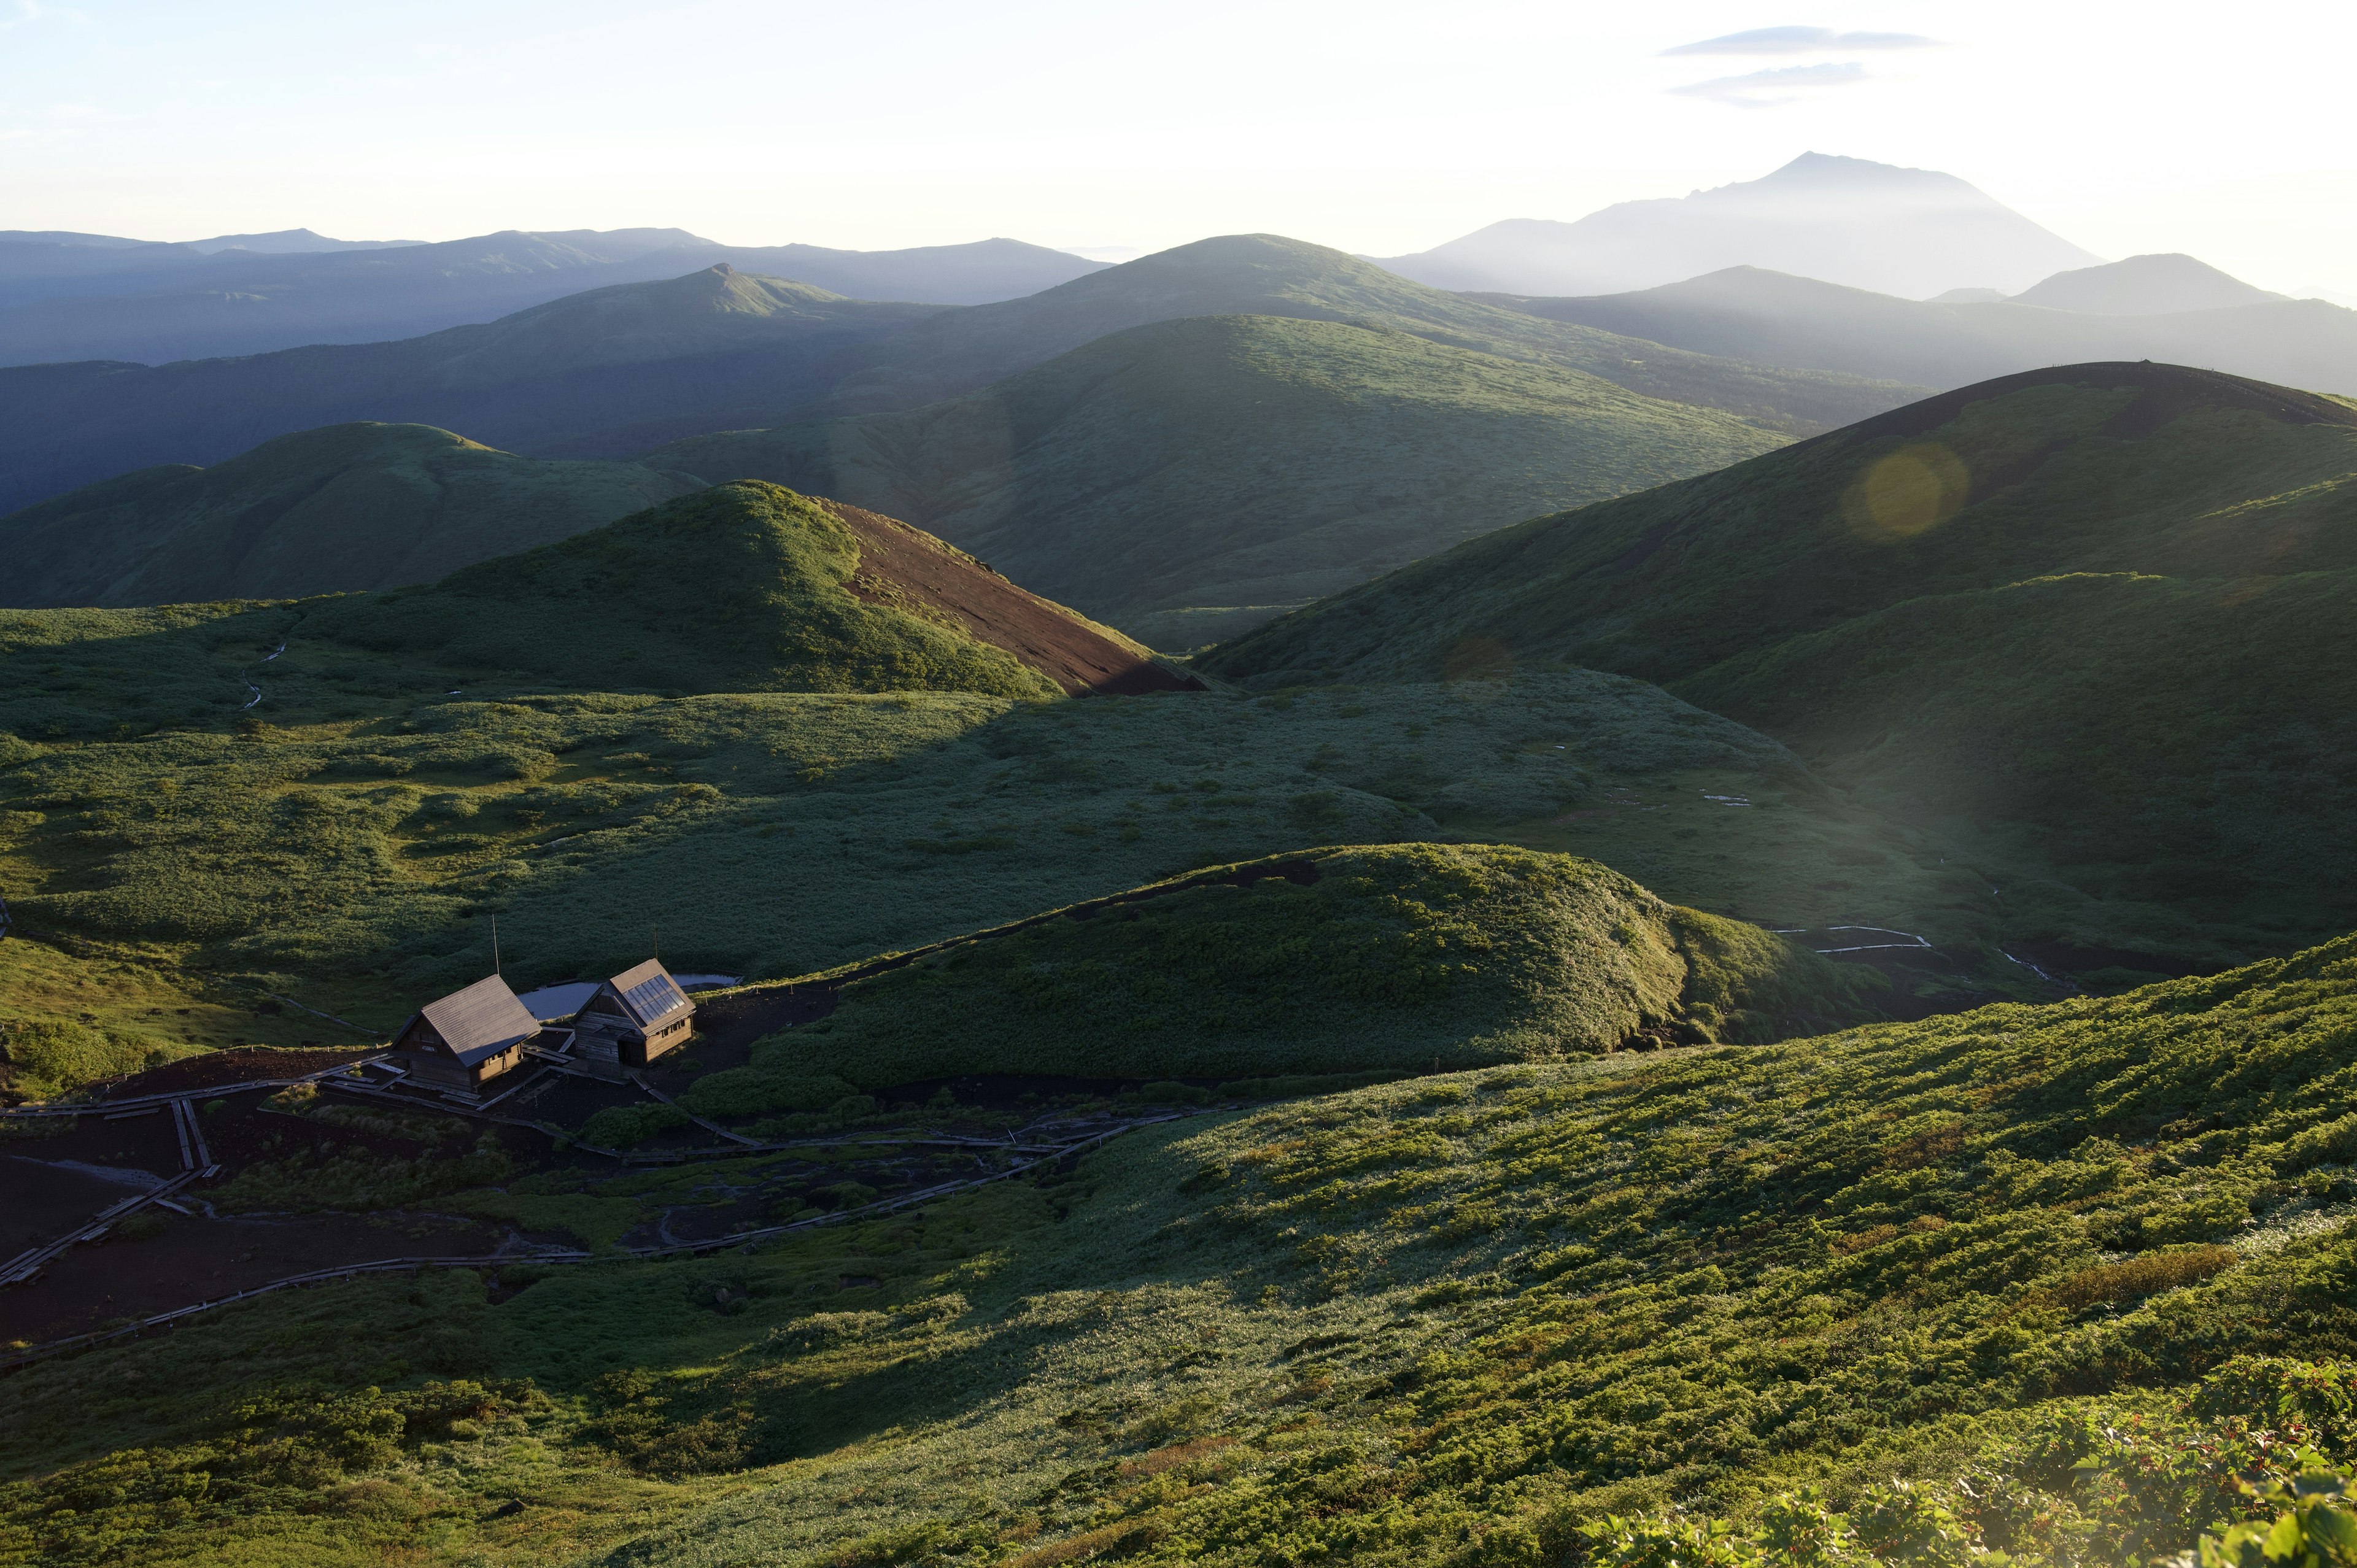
(481, 1021)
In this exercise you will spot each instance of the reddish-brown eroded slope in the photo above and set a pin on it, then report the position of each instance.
(911, 570)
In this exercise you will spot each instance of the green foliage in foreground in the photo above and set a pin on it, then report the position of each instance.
(350, 506)
(1393, 958)
(1173, 477)
(1466, 1319)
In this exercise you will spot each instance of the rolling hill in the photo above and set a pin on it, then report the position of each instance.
(1188, 479)
(1335, 961)
(351, 506)
(1266, 274)
(712, 340)
(1774, 318)
(2165, 285)
(1912, 233)
(2099, 610)
(63, 299)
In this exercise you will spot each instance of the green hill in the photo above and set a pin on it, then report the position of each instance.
(1871, 595)
(1188, 479)
(716, 340)
(353, 506)
(2043, 1281)
(1355, 960)
(1267, 274)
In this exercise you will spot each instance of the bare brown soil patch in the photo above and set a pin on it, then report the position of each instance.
(911, 570)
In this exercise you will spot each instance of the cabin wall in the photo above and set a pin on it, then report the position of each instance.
(597, 1045)
(432, 1067)
(639, 1050)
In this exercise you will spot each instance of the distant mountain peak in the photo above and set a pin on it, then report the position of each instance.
(2164, 284)
(1906, 232)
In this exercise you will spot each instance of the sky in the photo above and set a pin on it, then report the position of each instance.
(1113, 128)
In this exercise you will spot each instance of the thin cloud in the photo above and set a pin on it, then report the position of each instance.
(1767, 88)
(1800, 40)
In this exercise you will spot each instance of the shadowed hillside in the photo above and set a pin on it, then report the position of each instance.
(1192, 478)
(710, 340)
(2175, 731)
(353, 506)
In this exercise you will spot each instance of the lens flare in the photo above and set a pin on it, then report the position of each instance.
(1478, 659)
(1907, 492)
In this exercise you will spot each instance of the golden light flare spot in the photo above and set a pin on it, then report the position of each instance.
(1478, 659)
(1908, 492)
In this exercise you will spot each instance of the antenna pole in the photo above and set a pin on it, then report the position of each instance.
(656, 937)
(495, 944)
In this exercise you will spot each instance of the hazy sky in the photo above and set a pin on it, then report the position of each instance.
(1374, 126)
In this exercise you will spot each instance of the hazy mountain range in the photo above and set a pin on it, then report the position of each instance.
(614, 371)
(88, 297)
(1912, 233)
(2170, 308)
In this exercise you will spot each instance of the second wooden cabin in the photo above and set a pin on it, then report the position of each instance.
(631, 1020)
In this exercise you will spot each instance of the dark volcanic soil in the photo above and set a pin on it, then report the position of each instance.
(213, 1068)
(196, 1259)
(901, 563)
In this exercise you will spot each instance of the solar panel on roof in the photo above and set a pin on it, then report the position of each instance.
(651, 999)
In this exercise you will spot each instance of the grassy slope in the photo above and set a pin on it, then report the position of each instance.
(345, 848)
(1777, 592)
(1395, 958)
(1445, 1320)
(350, 506)
(370, 822)
(1266, 274)
(1191, 477)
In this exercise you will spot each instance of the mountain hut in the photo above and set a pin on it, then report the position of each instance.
(467, 1039)
(632, 1019)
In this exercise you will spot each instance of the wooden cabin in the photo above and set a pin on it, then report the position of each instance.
(467, 1039)
(631, 1020)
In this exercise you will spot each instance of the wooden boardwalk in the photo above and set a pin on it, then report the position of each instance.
(162, 1320)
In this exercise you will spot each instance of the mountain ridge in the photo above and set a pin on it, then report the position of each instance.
(153, 305)
(351, 507)
(1770, 318)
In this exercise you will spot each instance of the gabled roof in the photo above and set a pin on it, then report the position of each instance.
(481, 1021)
(648, 992)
